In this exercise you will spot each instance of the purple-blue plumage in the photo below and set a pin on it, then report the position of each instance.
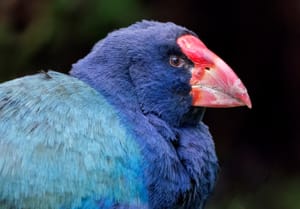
(130, 67)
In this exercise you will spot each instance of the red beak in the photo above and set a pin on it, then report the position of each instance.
(214, 83)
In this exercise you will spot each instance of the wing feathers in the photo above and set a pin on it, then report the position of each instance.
(63, 142)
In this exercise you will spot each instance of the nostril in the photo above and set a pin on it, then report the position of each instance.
(207, 68)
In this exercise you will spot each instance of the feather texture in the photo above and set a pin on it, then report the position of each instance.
(60, 143)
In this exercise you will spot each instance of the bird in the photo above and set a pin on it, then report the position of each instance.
(123, 129)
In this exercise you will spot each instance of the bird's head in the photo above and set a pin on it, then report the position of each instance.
(163, 68)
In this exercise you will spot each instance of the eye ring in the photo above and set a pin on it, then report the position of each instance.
(176, 61)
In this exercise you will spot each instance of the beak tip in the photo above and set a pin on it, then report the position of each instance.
(249, 105)
(245, 99)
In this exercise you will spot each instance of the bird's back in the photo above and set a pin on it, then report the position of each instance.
(61, 144)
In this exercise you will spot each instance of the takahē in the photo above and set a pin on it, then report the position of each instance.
(123, 130)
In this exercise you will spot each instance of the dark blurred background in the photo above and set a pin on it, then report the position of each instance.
(259, 149)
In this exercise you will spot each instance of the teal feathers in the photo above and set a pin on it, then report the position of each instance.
(58, 132)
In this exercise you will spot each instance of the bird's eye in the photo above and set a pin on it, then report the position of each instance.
(176, 61)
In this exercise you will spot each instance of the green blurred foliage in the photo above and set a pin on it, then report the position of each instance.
(277, 193)
(43, 34)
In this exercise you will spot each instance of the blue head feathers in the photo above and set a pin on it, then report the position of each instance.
(131, 66)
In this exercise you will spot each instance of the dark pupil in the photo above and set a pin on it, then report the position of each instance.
(175, 61)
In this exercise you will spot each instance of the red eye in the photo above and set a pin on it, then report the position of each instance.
(176, 61)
